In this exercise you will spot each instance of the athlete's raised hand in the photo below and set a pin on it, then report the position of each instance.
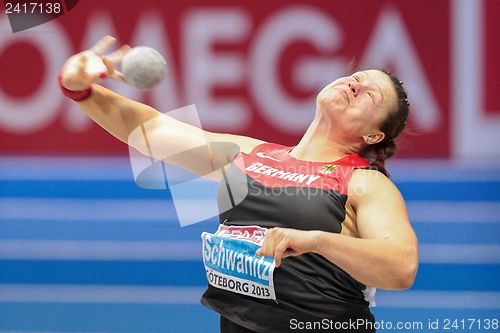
(281, 243)
(90, 66)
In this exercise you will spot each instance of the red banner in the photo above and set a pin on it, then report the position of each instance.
(251, 68)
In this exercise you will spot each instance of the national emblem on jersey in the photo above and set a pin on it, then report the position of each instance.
(328, 168)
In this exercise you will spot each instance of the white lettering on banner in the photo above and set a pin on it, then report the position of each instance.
(283, 28)
(474, 133)
(390, 44)
(39, 109)
(285, 175)
(204, 69)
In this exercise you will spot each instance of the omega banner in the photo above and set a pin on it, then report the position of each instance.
(255, 67)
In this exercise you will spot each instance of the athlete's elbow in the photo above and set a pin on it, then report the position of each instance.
(407, 280)
(408, 270)
(401, 280)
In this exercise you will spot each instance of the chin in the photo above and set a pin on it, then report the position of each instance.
(329, 104)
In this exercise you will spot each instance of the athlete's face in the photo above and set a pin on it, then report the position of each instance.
(358, 104)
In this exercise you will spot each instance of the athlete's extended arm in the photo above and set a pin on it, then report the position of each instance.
(120, 116)
(385, 256)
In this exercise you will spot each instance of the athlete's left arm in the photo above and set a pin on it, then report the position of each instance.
(385, 256)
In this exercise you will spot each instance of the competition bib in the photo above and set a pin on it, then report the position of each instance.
(231, 264)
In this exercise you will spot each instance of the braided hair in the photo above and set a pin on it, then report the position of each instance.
(392, 127)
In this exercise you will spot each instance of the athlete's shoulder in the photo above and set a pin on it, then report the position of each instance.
(369, 176)
(366, 182)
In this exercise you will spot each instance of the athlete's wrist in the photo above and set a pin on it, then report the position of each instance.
(316, 241)
(76, 95)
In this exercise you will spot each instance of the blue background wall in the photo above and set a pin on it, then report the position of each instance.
(83, 249)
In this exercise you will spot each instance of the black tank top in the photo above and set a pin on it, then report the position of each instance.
(286, 192)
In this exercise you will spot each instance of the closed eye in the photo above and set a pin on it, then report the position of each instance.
(380, 96)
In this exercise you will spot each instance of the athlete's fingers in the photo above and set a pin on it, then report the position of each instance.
(117, 75)
(109, 65)
(280, 250)
(82, 65)
(111, 71)
(267, 248)
(117, 56)
(289, 253)
(102, 45)
(263, 248)
(273, 237)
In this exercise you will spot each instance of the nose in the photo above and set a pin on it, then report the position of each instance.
(354, 87)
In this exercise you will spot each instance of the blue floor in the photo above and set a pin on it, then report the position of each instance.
(56, 214)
